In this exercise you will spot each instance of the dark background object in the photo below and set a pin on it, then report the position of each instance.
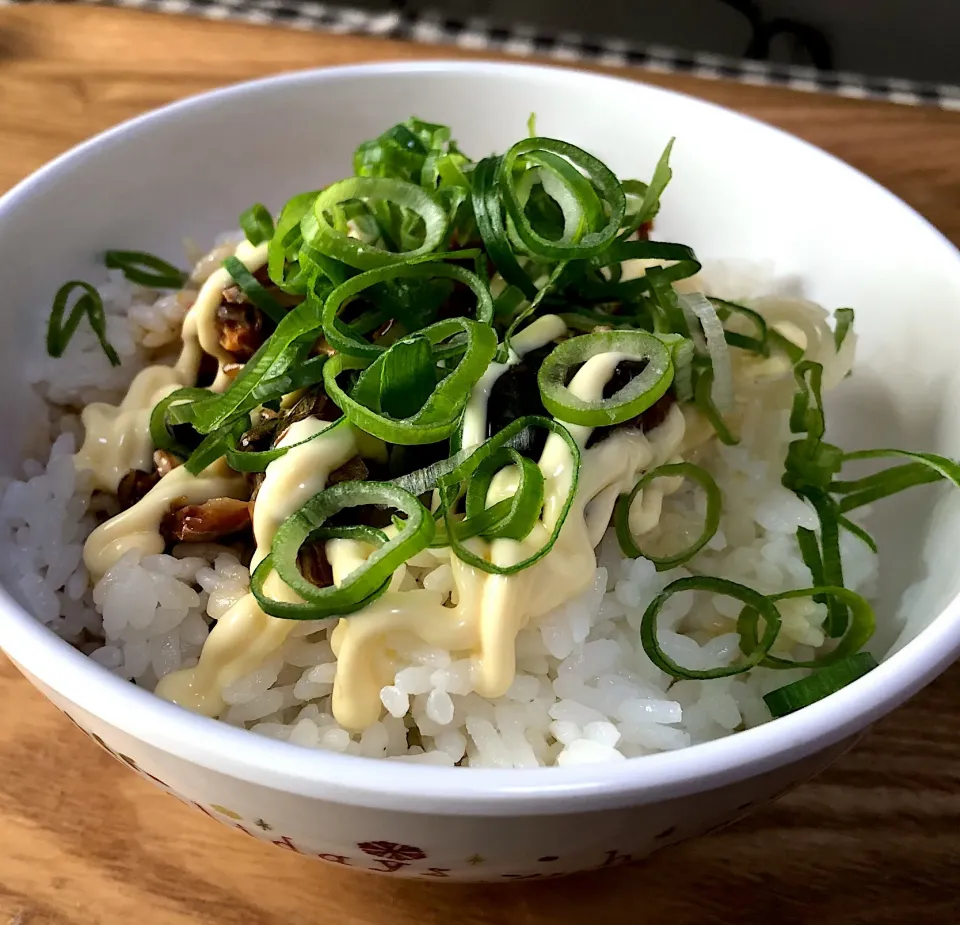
(911, 39)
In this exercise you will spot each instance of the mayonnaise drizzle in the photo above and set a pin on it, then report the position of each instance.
(118, 436)
(485, 612)
(138, 527)
(200, 333)
(492, 609)
(245, 636)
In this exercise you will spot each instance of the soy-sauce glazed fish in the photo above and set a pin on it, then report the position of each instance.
(455, 463)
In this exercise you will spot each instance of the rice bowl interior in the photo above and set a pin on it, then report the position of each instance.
(584, 689)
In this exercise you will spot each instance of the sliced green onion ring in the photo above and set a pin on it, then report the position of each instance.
(752, 599)
(711, 521)
(285, 244)
(440, 414)
(344, 338)
(580, 245)
(526, 502)
(802, 693)
(307, 611)
(319, 233)
(145, 269)
(633, 399)
(487, 210)
(59, 333)
(356, 588)
(859, 629)
(161, 435)
(450, 487)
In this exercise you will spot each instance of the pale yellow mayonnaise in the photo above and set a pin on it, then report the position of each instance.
(118, 436)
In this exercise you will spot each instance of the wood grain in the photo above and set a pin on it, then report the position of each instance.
(876, 839)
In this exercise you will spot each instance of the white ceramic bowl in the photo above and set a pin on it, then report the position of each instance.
(741, 189)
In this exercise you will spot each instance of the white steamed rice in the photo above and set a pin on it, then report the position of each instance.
(584, 692)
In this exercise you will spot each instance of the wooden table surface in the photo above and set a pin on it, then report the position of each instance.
(875, 839)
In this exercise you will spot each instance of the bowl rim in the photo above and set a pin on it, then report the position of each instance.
(481, 791)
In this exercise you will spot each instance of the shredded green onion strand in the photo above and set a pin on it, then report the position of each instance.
(683, 263)
(711, 520)
(703, 398)
(844, 324)
(282, 253)
(793, 353)
(89, 304)
(859, 630)
(530, 309)
(145, 269)
(334, 242)
(859, 533)
(215, 445)
(759, 342)
(258, 460)
(253, 290)
(287, 346)
(650, 204)
(925, 467)
(830, 562)
(752, 599)
(806, 415)
(257, 224)
(802, 693)
(407, 379)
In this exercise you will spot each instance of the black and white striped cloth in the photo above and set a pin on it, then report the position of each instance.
(524, 41)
